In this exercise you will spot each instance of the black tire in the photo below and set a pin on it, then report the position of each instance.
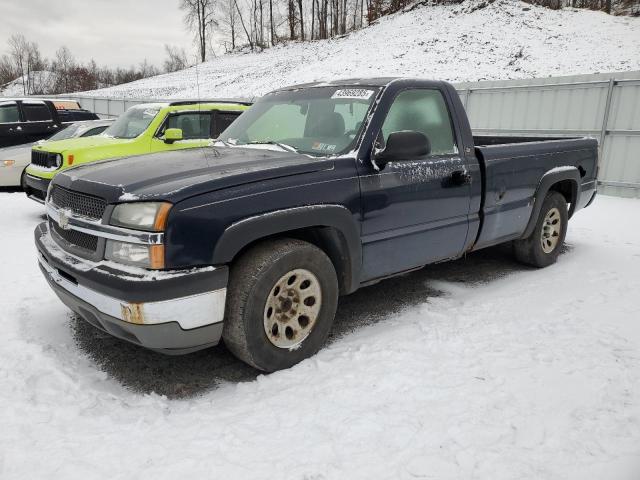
(23, 181)
(531, 250)
(252, 279)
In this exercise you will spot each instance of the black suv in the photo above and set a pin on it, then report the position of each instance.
(26, 120)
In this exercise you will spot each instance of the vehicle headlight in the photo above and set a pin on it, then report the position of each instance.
(146, 256)
(148, 216)
(58, 160)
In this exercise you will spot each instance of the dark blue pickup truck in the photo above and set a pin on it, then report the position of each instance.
(315, 191)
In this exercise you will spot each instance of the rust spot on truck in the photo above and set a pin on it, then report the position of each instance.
(132, 313)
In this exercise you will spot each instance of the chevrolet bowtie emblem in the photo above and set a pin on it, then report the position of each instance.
(63, 219)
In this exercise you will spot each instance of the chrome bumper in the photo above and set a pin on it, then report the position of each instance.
(189, 312)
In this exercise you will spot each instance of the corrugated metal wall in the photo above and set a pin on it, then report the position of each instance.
(603, 106)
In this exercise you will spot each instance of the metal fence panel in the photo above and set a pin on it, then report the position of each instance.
(538, 107)
(603, 106)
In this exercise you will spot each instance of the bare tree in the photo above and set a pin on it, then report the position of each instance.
(199, 15)
(272, 30)
(227, 19)
(29, 65)
(301, 20)
(18, 51)
(7, 70)
(244, 26)
(145, 69)
(62, 65)
(291, 18)
(176, 59)
(37, 70)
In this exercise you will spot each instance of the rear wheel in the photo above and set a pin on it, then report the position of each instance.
(281, 303)
(23, 181)
(543, 246)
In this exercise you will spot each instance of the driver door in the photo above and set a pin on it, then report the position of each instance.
(10, 125)
(415, 210)
(195, 126)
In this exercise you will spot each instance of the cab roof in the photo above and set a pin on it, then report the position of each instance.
(195, 104)
(362, 81)
(234, 101)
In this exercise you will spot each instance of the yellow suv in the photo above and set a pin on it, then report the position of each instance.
(145, 128)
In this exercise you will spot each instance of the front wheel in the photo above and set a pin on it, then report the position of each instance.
(543, 246)
(281, 302)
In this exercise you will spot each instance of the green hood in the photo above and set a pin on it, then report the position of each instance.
(74, 145)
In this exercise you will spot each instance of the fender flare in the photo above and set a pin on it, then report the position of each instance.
(549, 179)
(240, 234)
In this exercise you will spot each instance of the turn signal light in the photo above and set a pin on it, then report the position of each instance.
(156, 254)
(8, 163)
(161, 217)
(70, 159)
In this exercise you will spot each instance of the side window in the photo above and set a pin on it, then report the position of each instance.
(36, 112)
(194, 125)
(281, 121)
(9, 112)
(223, 120)
(94, 131)
(422, 111)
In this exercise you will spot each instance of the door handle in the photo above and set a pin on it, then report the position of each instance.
(460, 177)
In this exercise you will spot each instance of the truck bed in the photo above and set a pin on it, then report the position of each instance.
(513, 167)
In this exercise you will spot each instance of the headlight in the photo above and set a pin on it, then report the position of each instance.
(146, 256)
(58, 160)
(150, 216)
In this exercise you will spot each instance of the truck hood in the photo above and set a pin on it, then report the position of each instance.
(76, 145)
(180, 174)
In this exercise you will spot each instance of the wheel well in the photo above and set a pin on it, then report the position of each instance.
(569, 190)
(328, 239)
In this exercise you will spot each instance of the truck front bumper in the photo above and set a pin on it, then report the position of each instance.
(172, 312)
(36, 188)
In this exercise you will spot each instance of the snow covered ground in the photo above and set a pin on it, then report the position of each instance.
(504, 40)
(479, 368)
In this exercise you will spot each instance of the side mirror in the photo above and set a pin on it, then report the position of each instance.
(172, 135)
(404, 145)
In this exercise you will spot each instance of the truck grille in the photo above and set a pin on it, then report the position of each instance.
(43, 159)
(80, 240)
(79, 203)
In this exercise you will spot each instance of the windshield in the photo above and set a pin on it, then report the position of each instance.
(317, 121)
(68, 132)
(133, 122)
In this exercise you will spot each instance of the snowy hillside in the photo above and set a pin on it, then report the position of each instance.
(17, 88)
(503, 40)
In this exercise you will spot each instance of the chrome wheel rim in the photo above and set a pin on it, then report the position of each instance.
(551, 228)
(292, 308)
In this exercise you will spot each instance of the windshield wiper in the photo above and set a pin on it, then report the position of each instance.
(283, 146)
(226, 144)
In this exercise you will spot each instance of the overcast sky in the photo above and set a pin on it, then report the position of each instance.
(112, 32)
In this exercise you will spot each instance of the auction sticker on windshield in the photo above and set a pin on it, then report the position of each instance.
(323, 147)
(360, 93)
